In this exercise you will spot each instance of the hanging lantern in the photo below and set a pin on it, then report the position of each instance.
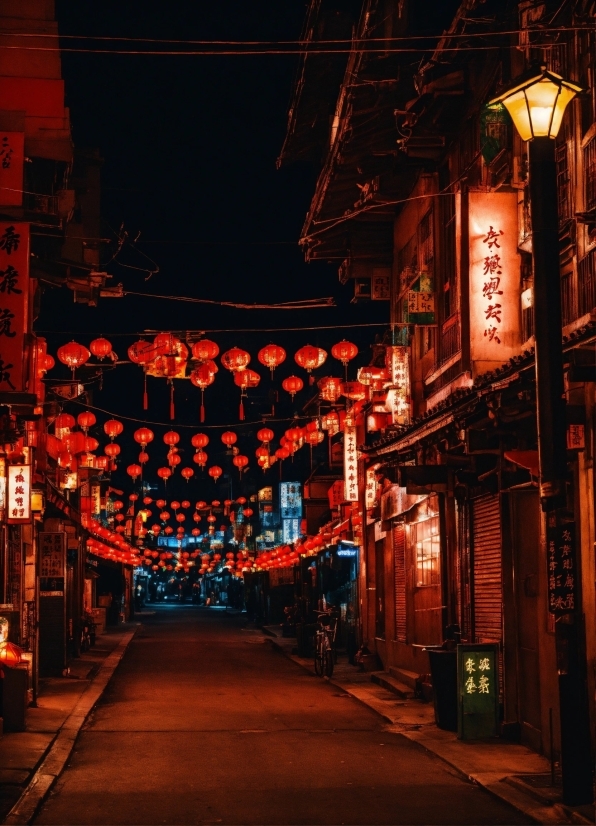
(113, 428)
(330, 389)
(134, 471)
(200, 458)
(90, 444)
(180, 517)
(187, 473)
(265, 435)
(102, 462)
(294, 434)
(101, 348)
(310, 358)
(235, 360)
(282, 453)
(143, 436)
(73, 355)
(196, 532)
(143, 457)
(201, 505)
(248, 512)
(245, 380)
(292, 385)
(85, 420)
(112, 450)
(164, 516)
(65, 459)
(215, 472)
(174, 459)
(156, 530)
(229, 438)
(64, 421)
(196, 517)
(171, 438)
(345, 351)
(199, 441)
(241, 462)
(185, 503)
(272, 356)
(164, 473)
(314, 437)
(205, 350)
(143, 353)
(261, 451)
(202, 377)
(354, 390)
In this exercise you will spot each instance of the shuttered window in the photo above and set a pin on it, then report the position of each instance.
(487, 579)
(399, 562)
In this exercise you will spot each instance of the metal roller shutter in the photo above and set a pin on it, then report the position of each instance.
(399, 561)
(487, 578)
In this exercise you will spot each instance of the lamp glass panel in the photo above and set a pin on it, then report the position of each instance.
(542, 98)
(567, 95)
(517, 107)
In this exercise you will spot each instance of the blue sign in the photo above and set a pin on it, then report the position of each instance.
(290, 500)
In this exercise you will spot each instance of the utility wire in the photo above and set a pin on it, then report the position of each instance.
(214, 331)
(306, 304)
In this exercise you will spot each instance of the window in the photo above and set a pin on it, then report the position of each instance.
(590, 174)
(426, 541)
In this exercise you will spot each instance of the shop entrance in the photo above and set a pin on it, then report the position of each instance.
(423, 565)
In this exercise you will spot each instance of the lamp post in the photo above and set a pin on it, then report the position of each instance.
(537, 103)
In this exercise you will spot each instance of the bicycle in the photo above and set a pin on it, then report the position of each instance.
(324, 643)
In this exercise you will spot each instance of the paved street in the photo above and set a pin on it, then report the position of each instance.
(204, 722)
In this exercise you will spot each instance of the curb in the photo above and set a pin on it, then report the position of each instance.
(52, 765)
(557, 813)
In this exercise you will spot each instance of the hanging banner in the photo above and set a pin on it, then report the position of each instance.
(495, 306)
(290, 500)
(370, 491)
(562, 572)
(14, 305)
(52, 563)
(19, 493)
(12, 159)
(397, 363)
(350, 464)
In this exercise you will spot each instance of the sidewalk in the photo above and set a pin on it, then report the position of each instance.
(31, 760)
(508, 770)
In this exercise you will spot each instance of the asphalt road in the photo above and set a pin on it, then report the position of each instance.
(205, 723)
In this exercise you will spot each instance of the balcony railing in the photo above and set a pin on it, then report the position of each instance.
(46, 204)
(586, 284)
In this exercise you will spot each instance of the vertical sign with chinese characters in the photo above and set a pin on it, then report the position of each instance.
(350, 464)
(12, 158)
(397, 363)
(561, 561)
(478, 691)
(370, 489)
(14, 304)
(19, 493)
(290, 500)
(52, 562)
(495, 308)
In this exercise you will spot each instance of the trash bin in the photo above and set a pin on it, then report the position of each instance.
(14, 697)
(443, 670)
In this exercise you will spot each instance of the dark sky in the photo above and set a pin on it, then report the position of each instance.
(190, 145)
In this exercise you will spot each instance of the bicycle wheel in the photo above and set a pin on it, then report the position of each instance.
(328, 663)
(318, 659)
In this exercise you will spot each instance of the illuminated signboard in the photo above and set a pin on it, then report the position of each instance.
(19, 493)
(494, 279)
(266, 494)
(14, 304)
(397, 362)
(290, 500)
(350, 464)
(291, 530)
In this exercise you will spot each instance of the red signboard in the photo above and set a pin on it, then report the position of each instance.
(14, 304)
(12, 158)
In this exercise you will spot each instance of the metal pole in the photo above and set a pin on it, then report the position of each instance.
(576, 759)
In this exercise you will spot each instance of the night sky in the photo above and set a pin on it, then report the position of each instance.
(189, 146)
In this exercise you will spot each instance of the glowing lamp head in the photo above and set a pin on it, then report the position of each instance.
(537, 103)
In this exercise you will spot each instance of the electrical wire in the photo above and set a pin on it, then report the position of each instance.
(306, 304)
(215, 331)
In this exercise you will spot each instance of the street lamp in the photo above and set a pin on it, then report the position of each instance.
(537, 103)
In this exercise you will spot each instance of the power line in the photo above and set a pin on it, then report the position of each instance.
(213, 331)
(306, 304)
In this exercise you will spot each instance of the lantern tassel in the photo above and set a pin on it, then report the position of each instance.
(202, 406)
(241, 410)
(145, 395)
(311, 379)
(172, 411)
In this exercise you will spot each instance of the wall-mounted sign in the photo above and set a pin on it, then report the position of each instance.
(495, 305)
(290, 530)
(19, 493)
(290, 500)
(397, 362)
(380, 286)
(12, 158)
(52, 563)
(14, 304)
(478, 691)
(562, 573)
(370, 488)
(350, 464)
(266, 494)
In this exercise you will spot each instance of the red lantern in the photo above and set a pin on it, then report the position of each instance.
(180, 517)
(185, 503)
(85, 420)
(147, 500)
(229, 438)
(156, 530)
(200, 458)
(272, 356)
(134, 471)
(164, 516)
(310, 357)
(143, 457)
(143, 436)
(173, 459)
(294, 434)
(282, 453)
(101, 348)
(113, 428)
(215, 472)
(90, 444)
(201, 505)
(240, 462)
(65, 459)
(64, 421)
(244, 380)
(248, 512)
(292, 385)
(266, 435)
(330, 389)
(205, 350)
(142, 352)
(202, 377)
(235, 360)
(164, 473)
(112, 450)
(314, 437)
(102, 462)
(199, 441)
(345, 351)
(261, 451)
(171, 438)
(187, 473)
(196, 532)
(73, 355)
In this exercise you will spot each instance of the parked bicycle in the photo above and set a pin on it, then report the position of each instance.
(325, 643)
